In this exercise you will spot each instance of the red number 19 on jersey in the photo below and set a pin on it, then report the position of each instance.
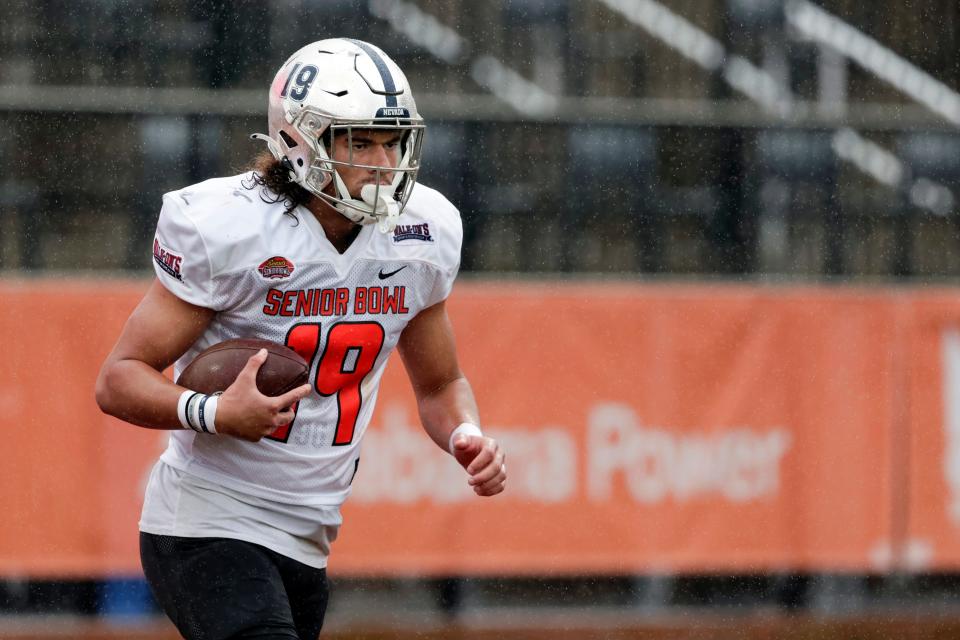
(350, 353)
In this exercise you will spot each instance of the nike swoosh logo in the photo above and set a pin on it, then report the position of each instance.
(384, 276)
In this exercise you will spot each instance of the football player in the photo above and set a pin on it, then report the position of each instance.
(331, 247)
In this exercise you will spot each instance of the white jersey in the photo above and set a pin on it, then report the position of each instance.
(276, 277)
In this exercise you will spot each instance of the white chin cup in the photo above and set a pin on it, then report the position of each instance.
(383, 204)
(374, 207)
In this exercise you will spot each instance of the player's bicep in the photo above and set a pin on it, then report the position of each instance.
(428, 350)
(160, 329)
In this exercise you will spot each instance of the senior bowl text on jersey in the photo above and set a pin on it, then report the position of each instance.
(336, 302)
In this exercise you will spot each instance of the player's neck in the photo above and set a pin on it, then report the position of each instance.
(340, 231)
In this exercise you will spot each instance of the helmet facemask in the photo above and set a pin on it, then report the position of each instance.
(377, 202)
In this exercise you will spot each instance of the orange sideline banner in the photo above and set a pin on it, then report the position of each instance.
(932, 440)
(649, 428)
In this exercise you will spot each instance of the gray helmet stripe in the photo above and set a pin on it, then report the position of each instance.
(389, 88)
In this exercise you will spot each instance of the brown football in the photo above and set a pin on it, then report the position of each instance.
(215, 368)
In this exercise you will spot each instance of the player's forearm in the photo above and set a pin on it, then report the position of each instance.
(137, 393)
(443, 409)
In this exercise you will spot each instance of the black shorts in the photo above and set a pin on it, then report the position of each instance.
(219, 588)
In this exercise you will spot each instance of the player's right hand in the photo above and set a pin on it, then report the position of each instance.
(243, 412)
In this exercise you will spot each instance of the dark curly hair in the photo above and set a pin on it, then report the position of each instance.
(272, 177)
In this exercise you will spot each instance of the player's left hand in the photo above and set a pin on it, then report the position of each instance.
(484, 461)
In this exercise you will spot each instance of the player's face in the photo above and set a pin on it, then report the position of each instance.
(368, 147)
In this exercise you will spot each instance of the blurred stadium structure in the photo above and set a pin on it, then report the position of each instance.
(754, 139)
(732, 136)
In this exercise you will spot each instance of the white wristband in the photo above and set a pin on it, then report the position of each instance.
(208, 413)
(182, 408)
(467, 429)
(198, 411)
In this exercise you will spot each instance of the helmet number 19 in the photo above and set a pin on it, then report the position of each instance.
(302, 80)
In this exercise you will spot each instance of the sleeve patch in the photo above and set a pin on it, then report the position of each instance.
(167, 260)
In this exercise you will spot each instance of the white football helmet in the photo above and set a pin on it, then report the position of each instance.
(330, 88)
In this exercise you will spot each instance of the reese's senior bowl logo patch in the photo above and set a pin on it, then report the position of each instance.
(275, 268)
